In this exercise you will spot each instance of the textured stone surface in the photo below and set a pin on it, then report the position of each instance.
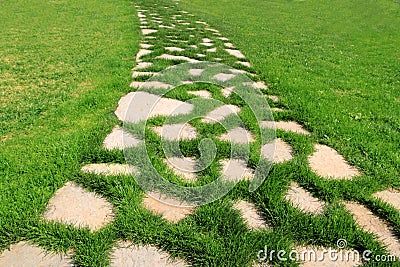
(171, 209)
(126, 254)
(148, 31)
(184, 167)
(136, 74)
(73, 205)
(289, 126)
(220, 113)
(277, 151)
(328, 163)
(246, 64)
(141, 53)
(235, 170)
(212, 50)
(120, 139)
(235, 53)
(172, 57)
(303, 199)
(174, 48)
(391, 196)
(109, 169)
(250, 215)
(143, 65)
(147, 105)
(371, 223)
(179, 131)
(238, 135)
(24, 254)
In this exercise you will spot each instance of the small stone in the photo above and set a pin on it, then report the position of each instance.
(148, 31)
(328, 163)
(173, 132)
(290, 126)
(223, 38)
(207, 40)
(120, 139)
(229, 45)
(277, 151)
(172, 57)
(141, 53)
(256, 85)
(250, 215)
(211, 50)
(220, 113)
(201, 22)
(201, 55)
(73, 205)
(277, 110)
(109, 169)
(227, 91)
(207, 44)
(273, 98)
(223, 77)
(143, 65)
(25, 254)
(136, 74)
(303, 199)
(196, 72)
(236, 170)
(145, 46)
(174, 48)
(238, 135)
(235, 53)
(246, 64)
(201, 93)
(185, 167)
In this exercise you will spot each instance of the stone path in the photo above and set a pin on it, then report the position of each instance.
(196, 42)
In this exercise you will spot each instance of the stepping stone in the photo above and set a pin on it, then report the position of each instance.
(140, 15)
(303, 199)
(246, 64)
(146, 46)
(223, 77)
(256, 85)
(75, 206)
(191, 29)
(184, 167)
(126, 254)
(235, 53)
(136, 74)
(328, 163)
(174, 48)
(250, 215)
(273, 98)
(201, 55)
(201, 93)
(238, 135)
(148, 105)
(371, 223)
(212, 30)
(277, 151)
(183, 58)
(226, 92)
(120, 139)
(277, 110)
(141, 53)
(223, 38)
(27, 255)
(166, 27)
(196, 72)
(148, 31)
(109, 169)
(229, 45)
(289, 126)
(207, 40)
(201, 22)
(173, 132)
(390, 196)
(211, 50)
(312, 257)
(207, 44)
(220, 113)
(193, 46)
(236, 170)
(143, 65)
(174, 211)
(151, 84)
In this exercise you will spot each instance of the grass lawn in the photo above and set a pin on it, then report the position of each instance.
(65, 64)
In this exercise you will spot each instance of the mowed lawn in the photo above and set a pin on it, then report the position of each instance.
(65, 64)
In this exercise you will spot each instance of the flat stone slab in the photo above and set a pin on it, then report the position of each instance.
(109, 169)
(238, 135)
(27, 255)
(174, 49)
(145, 46)
(289, 126)
(182, 58)
(207, 44)
(173, 132)
(273, 98)
(141, 53)
(277, 151)
(328, 163)
(256, 85)
(227, 91)
(148, 31)
(172, 212)
(73, 205)
(371, 223)
(302, 199)
(136, 74)
(223, 77)
(147, 105)
(250, 215)
(143, 65)
(150, 84)
(207, 40)
(201, 93)
(196, 72)
(120, 139)
(212, 50)
(184, 167)
(306, 255)
(390, 196)
(236, 170)
(246, 64)
(220, 113)
(235, 53)
(126, 254)
(229, 45)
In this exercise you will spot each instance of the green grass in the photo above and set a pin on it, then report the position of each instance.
(334, 65)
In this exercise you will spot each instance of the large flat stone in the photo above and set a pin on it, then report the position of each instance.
(220, 113)
(120, 139)
(390, 196)
(277, 151)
